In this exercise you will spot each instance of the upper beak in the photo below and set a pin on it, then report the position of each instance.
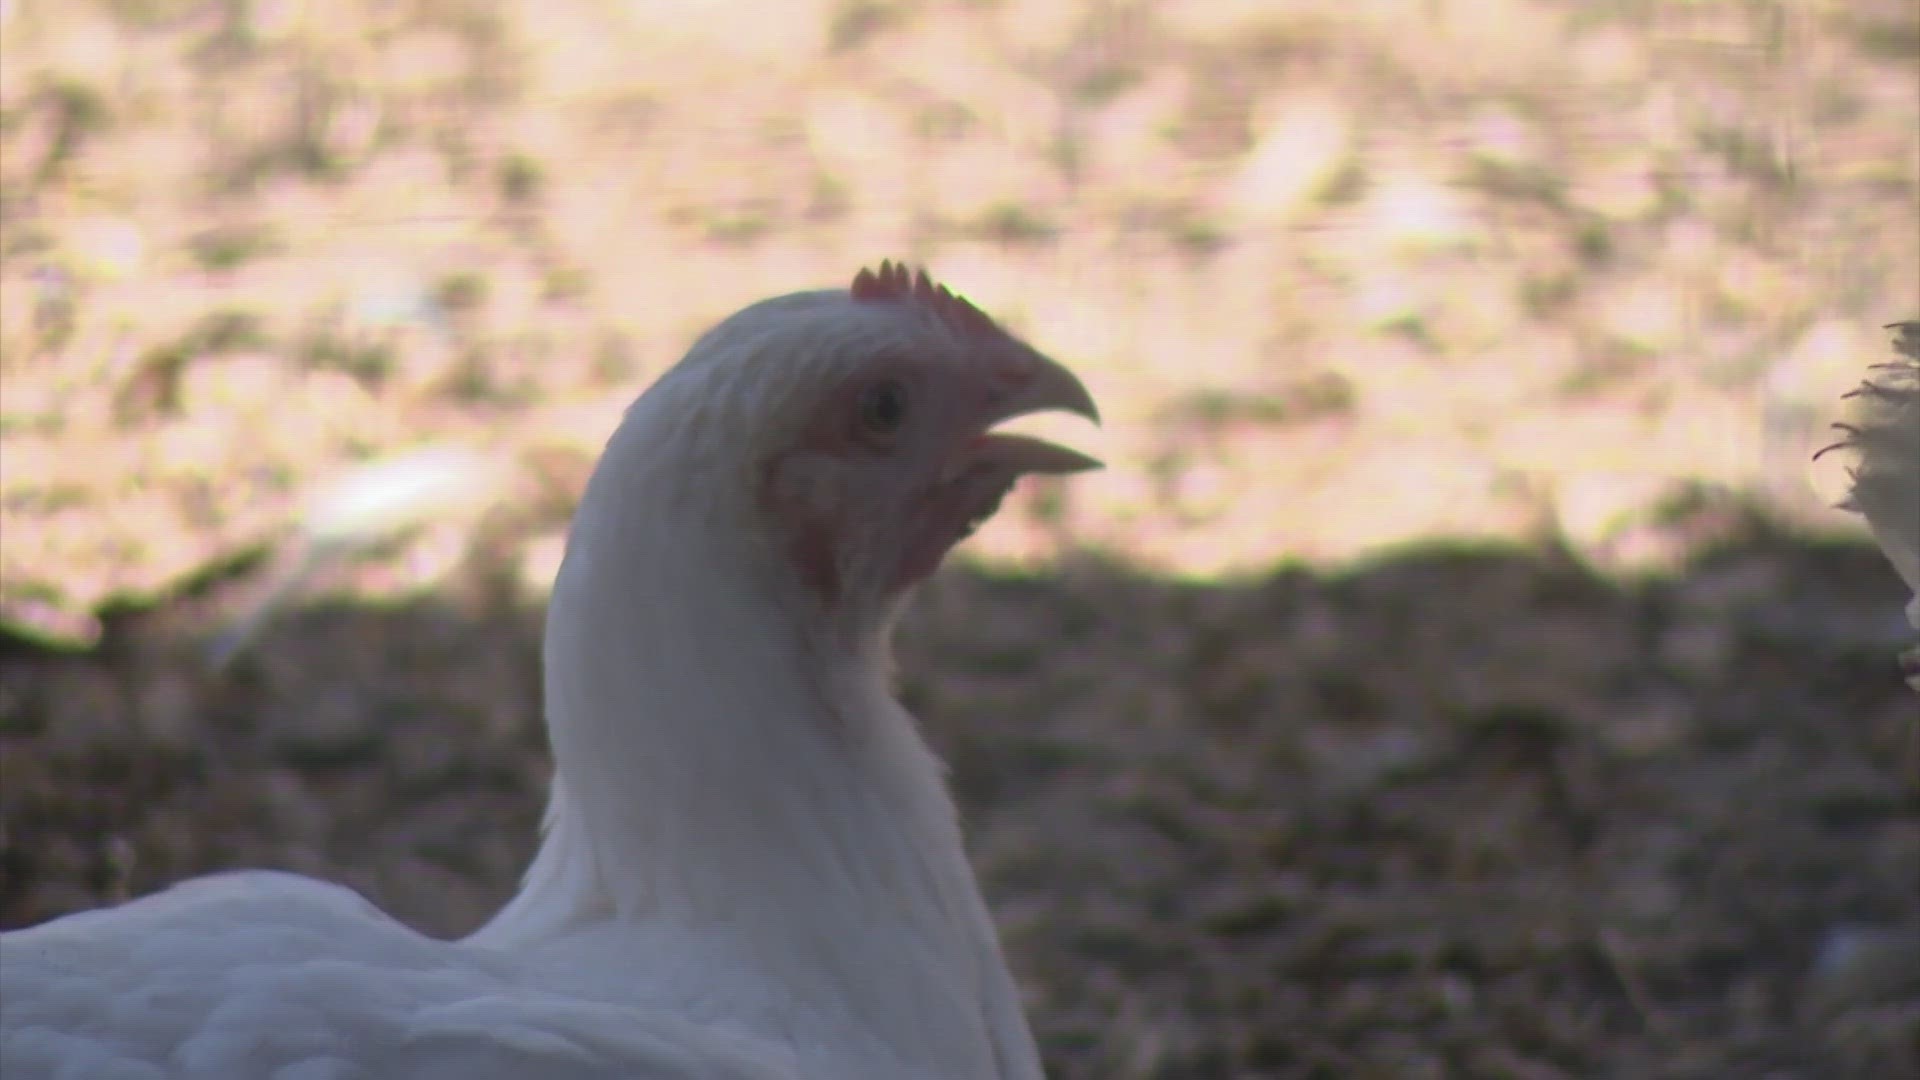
(1046, 386)
(1050, 387)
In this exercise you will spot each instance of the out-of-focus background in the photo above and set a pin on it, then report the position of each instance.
(1456, 672)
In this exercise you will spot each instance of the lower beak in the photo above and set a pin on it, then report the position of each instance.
(1026, 454)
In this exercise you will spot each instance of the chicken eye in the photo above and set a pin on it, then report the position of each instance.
(883, 407)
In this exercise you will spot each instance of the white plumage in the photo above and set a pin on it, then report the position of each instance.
(1883, 431)
(751, 866)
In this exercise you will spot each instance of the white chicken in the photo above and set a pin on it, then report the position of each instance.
(750, 866)
(1883, 431)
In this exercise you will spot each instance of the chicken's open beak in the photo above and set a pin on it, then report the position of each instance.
(978, 473)
(1049, 387)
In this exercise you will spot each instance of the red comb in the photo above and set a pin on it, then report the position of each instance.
(893, 281)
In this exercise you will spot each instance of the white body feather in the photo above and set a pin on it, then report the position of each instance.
(1883, 431)
(751, 865)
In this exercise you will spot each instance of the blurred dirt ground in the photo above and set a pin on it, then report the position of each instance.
(1448, 814)
(1565, 741)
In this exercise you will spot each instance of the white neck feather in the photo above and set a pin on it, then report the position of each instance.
(719, 764)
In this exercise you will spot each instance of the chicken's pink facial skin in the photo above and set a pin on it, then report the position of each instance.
(895, 462)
